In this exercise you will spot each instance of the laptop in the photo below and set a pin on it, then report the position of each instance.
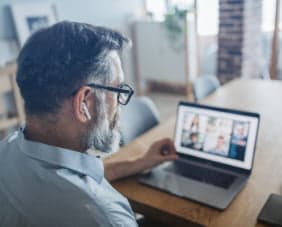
(216, 148)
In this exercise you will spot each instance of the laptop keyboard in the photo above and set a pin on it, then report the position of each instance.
(202, 174)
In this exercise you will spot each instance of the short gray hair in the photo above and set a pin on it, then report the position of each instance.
(59, 59)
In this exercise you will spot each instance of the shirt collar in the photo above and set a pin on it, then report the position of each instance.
(76, 161)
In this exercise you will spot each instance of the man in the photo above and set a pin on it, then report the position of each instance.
(220, 147)
(239, 140)
(70, 78)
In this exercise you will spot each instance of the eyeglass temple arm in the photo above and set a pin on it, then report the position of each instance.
(110, 88)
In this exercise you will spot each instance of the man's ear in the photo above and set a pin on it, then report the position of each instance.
(83, 104)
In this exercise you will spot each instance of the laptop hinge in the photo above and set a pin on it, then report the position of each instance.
(214, 164)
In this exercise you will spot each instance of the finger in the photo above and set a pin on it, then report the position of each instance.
(168, 148)
(170, 157)
(170, 144)
(172, 147)
(163, 141)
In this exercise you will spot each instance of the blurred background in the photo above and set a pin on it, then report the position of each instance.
(177, 44)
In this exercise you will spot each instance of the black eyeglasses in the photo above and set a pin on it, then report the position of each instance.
(124, 91)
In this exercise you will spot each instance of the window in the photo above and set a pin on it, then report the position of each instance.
(157, 8)
(268, 15)
(207, 12)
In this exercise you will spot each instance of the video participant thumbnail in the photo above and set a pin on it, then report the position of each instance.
(214, 135)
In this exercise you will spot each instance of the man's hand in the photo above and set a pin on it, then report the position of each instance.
(160, 151)
(120, 164)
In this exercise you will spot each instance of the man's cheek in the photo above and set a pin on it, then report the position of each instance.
(112, 106)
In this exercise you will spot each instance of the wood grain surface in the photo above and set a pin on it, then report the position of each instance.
(259, 96)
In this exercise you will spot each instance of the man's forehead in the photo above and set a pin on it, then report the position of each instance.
(116, 66)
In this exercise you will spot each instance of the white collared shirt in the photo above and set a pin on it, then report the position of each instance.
(42, 185)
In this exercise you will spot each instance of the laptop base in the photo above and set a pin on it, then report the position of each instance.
(208, 194)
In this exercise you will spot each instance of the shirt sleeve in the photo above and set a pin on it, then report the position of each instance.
(120, 216)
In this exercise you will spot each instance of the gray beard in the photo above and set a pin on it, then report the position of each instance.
(104, 136)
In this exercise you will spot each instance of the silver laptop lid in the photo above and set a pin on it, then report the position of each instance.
(219, 135)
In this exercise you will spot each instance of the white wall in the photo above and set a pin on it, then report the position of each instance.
(164, 58)
(159, 58)
(117, 14)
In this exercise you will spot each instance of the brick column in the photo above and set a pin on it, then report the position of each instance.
(239, 39)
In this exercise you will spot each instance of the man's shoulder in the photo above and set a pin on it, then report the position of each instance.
(95, 200)
(114, 207)
(9, 144)
(9, 140)
(9, 215)
(58, 196)
(74, 201)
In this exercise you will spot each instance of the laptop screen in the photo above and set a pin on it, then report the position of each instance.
(215, 134)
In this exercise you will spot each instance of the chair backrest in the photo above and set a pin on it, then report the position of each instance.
(137, 117)
(204, 86)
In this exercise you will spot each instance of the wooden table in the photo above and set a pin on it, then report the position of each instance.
(259, 96)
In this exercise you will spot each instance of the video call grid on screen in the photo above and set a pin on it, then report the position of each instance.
(219, 136)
